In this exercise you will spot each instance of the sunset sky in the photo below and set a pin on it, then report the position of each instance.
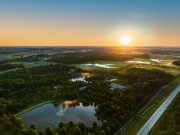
(89, 22)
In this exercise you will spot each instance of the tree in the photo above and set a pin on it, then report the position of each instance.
(61, 124)
(102, 132)
(4, 117)
(32, 126)
(15, 131)
(56, 134)
(90, 129)
(121, 119)
(94, 125)
(12, 118)
(117, 124)
(8, 125)
(104, 124)
(77, 131)
(112, 128)
(24, 132)
(108, 130)
(82, 126)
(125, 117)
(71, 124)
(18, 122)
(63, 131)
(35, 132)
(48, 130)
(22, 126)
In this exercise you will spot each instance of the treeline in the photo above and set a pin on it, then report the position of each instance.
(10, 66)
(177, 63)
(9, 106)
(89, 57)
(32, 58)
(16, 126)
(4, 61)
(171, 123)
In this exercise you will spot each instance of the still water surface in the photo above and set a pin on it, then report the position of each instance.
(49, 115)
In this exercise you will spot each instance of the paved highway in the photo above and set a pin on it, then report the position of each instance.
(150, 123)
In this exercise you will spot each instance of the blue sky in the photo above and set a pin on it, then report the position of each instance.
(97, 22)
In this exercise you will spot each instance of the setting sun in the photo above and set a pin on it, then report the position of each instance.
(125, 40)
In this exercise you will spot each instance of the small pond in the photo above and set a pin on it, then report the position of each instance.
(78, 79)
(49, 115)
(140, 62)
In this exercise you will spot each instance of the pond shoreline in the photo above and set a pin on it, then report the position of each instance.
(34, 107)
(46, 114)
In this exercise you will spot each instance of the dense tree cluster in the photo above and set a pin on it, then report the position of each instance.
(32, 58)
(83, 57)
(4, 61)
(9, 106)
(89, 58)
(177, 63)
(171, 123)
(117, 106)
(10, 66)
(21, 86)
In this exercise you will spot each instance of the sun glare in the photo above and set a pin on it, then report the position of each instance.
(125, 40)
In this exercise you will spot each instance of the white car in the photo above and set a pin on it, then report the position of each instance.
(165, 105)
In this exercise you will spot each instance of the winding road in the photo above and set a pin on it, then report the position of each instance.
(150, 123)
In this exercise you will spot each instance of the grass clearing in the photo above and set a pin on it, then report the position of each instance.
(151, 111)
(135, 127)
(171, 70)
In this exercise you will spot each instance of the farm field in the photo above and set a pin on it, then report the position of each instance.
(165, 65)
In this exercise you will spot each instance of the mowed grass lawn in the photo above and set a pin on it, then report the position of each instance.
(135, 127)
(171, 70)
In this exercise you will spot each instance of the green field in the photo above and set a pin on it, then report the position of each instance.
(135, 127)
(165, 65)
(116, 64)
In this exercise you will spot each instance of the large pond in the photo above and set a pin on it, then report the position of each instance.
(49, 115)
